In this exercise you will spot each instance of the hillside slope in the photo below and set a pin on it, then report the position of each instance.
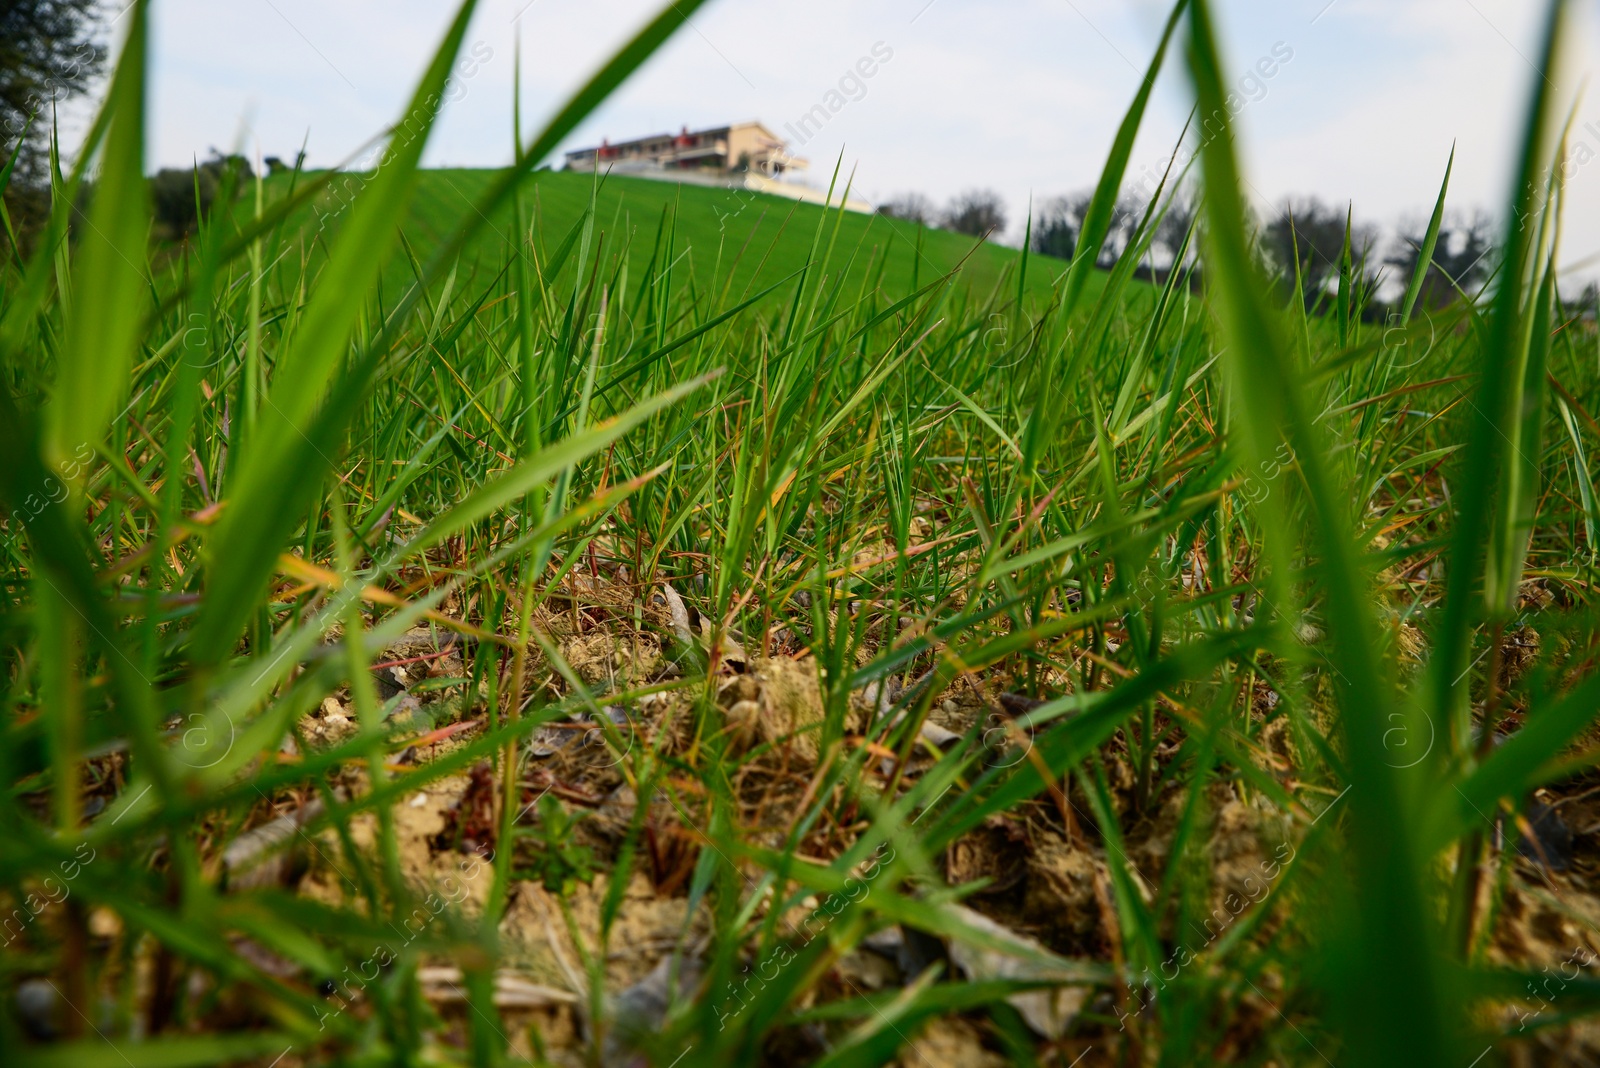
(745, 240)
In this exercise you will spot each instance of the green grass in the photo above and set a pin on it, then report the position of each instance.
(727, 239)
(1174, 561)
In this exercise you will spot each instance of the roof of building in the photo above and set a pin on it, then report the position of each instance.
(669, 138)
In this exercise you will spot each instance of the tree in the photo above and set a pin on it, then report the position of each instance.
(1060, 222)
(276, 164)
(1588, 303)
(47, 54)
(181, 197)
(1059, 227)
(1126, 214)
(1174, 226)
(1463, 257)
(1313, 233)
(979, 212)
(911, 207)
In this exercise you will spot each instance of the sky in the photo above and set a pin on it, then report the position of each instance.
(1364, 101)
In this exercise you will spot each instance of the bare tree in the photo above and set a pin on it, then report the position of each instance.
(1126, 214)
(1175, 224)
(1059, 224)
(912, 207)
(1059, 227)
(1463, 257)
(979, 212)
(1310, 234)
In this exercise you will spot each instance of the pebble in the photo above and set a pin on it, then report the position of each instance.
(103, 923)
(37, 1003)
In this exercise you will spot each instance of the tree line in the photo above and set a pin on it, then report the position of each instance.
(1302, 239)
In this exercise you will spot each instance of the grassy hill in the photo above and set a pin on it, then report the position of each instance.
(745, 240)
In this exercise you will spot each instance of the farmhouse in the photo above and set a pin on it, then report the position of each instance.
(741, 148)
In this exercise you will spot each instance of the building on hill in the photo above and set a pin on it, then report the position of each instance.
(743, 155)
(741, 148)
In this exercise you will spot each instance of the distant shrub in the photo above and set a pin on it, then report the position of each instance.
(276, 164)
(181, 197)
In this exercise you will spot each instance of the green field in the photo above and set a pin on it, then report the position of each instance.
(519, 623)
(719, 240)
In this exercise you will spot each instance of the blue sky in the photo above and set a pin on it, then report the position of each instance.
(1023, 97)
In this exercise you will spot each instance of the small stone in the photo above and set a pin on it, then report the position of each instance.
(641, 1009)
(745, 714)
(37, 1008)
(1049, 1012)
(1308, 633)
(103, 923)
